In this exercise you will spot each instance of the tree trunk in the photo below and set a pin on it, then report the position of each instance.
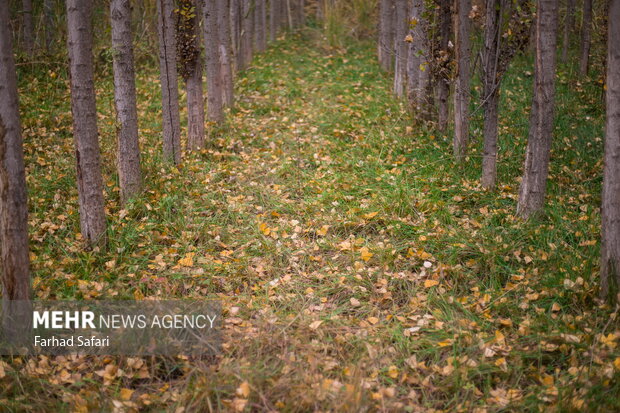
(262, 28)
(385, 48)
(84, 109)
(273, 10)
(169, 81)
(48, 11)
(215, 111)
(235, 34)
(569, 25)
(28, 27)
(223, 9)
(586, 31)
(419, 88)
(245, 52)
(610, 213)
(128, 154)
(490, 62)
(400, 46)
(443, 82)
(190, 61)
(534, 183)
(14, 259)
(463, 74)
(302, 13)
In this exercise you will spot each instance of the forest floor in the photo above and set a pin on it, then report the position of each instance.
(358, 267)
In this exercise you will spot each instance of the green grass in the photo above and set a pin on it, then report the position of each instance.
(317, 140)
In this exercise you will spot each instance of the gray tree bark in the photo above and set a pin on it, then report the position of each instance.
(85, 133)
(272, 20)
(48, 11)
(385, 48)
(586, 34)
(246, 38)
(569, 25)
(235, 33)
(443, 82)
(215, 111)
(189, 47)
(169, 81)
(490, 65)
(463, 77)
(128, 149)
(223, 9)
(400, 46)
(28, 27)
(14, 259)
(419, 87)
(610, 212)
(536, 169)
(261, 25)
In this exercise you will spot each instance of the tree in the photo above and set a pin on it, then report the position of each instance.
(169, 81)
(48, 11)
(273, 19)
(245, 42)
(223, 9)
(215, 111)
(261, 30)
(586, 33)
(500, 45)
(84, 110)
(463, 75)
(190, 68)
(128, 154)
(400, 46)
(535, 171)
(385, 48)
(28, 26)
(610, 211)
(419, 86)
(14, 259)
(569, 25)
(443, 63)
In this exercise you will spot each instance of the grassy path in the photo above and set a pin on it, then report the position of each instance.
(358, 267)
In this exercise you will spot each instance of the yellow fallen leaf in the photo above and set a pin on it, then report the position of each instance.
(372, 320)
(393, 372)
(366, 255)
(445, 343)
(188, 260)
(126, 394)
(430, 283)
(617, 363)
(264, 228)
(370, 215)
(243, 390)
(323, 231)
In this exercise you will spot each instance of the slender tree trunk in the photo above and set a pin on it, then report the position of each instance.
(302, 13)
(262, 25)
(48, 11)
(272, 20)
(28, 27)
(223, 9)
(420, 91)
(14, 259)
(128, 154)
(193, 82)
(83, 107)
(534, 183)
(400, 46)
(569, 25)
(490, 58)
(169, 81)
(215, 111)
(385, 48)
(463, 75)
(610, 240)
(443, 83)
(235, 35)
(413, 54)
(586, 32)
(245, 52)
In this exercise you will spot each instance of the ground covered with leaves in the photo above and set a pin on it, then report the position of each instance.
(359, 268)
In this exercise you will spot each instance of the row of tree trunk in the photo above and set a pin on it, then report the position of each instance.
(506, 33)
(231, 30)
